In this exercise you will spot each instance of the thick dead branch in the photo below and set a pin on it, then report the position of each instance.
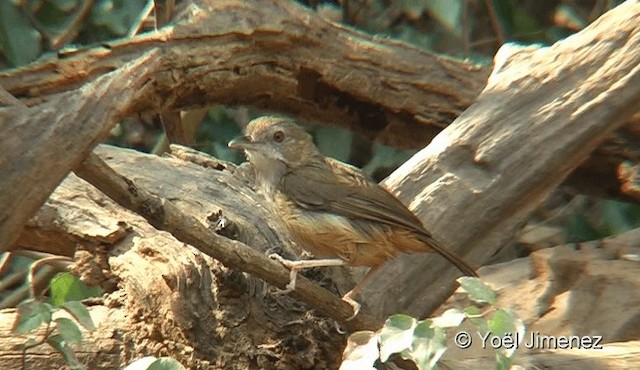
(165, 298)
(279, 56)
(502, 122)
(210, 57)
(40, 145)
(165, 215)
(542, 113)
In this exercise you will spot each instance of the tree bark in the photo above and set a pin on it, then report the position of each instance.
(542, 113)
(281, 57)
(41, 144)
(165, 298)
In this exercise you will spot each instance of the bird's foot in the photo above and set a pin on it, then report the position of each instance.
(355, 305)
(283, 261)
(293, 274)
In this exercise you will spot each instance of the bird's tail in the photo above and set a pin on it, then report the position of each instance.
(456, 260)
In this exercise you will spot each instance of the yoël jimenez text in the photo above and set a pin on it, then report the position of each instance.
(535, 340)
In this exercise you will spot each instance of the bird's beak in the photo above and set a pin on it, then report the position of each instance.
(241, 142)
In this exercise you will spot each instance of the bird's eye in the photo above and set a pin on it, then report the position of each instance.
(278, 136)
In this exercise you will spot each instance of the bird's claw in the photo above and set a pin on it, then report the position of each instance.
(355, 305)
(287, 289)
(291, 286)
(293, 273)
(278, 258)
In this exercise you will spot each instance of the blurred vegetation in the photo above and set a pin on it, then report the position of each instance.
(63, 334)
(425, 341)
(466, 29)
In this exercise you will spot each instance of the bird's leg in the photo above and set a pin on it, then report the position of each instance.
(350, 296)
(296, 266)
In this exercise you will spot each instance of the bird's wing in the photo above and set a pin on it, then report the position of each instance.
(335, 187)
(341, 189)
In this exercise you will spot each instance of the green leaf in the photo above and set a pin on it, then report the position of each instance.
(429, 344)
(66, 287)
(19, 41)
(450, 318)
(448, 13)
(361, 351)
(396, 335)
(68, 330)
(503, 362)
(504, 15)
(474, 315)
(419, 351)
(60, 287)
(505, 323)
(500, 323)
(578, 229)
(65, 5)
(166, 363)
(116, 16)
(477, 290)
(619, 217)
(31, 314)
(413, 9)
(472, 312)
(61, 346)
(141, 363)
(80, 313)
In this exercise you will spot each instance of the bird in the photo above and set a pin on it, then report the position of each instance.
(333, 210)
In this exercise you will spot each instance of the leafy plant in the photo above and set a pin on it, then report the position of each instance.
(61, 332)
(65, 287)
(152, 363)
(30, 28)
(424, 341)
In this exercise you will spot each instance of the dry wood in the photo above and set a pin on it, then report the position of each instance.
(282, 57)
(165, 298)
(40, 145)
(167, 285)
(103, 350)
(163, 214)
(542, 113)
(503, 118)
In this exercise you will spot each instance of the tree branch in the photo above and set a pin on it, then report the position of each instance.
(164, 215)
(542, 113)
(42, 144)
(278, 55)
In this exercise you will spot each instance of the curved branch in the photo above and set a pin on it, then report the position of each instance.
(279, 56)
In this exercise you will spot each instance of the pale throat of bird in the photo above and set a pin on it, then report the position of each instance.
(269, 172)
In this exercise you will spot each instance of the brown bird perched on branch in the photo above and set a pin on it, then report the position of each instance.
(333, 210)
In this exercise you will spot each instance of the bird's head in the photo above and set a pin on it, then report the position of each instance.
(275, 145)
